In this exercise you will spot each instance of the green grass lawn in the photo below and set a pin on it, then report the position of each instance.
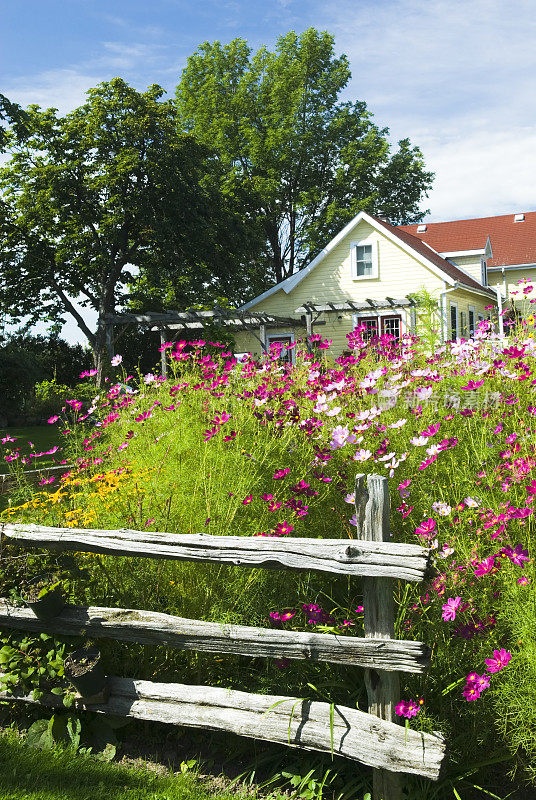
(31, 774)
(43, 437)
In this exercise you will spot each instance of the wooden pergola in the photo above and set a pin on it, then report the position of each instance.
(171, 324)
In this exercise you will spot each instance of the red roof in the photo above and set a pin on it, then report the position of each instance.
(511, 242)
(446, 266)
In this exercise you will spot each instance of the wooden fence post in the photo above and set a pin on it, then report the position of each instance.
(383, 689)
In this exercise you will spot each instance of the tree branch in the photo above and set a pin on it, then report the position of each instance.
(70, 308)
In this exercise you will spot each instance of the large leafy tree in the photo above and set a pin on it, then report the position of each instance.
(106, 201)
(299, 159)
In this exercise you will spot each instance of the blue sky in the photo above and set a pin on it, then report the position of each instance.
(456, 76)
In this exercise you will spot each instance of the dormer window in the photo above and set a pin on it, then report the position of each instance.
(483, 272)
(364, 259)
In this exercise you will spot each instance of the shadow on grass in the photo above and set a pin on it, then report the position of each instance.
(30, 774)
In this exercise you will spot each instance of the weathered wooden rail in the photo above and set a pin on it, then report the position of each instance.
(9, 480)
(337, 556)
(302, 723)
(149, 627)
(373, 739)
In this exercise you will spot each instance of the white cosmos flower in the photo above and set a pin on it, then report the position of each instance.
(419, 441)
(362, 455)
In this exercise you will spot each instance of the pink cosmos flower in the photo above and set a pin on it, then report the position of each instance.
(280, 473)
(500, 660)
(523, 581)
(472, 385)
(50, 420)
(485, 566)
(247, 500)
(283, 528)
(450, 608)
(471, 692)
(516, 555)
(116, 360)
(426, 528)
(407, 708)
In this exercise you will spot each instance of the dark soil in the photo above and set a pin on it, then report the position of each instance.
(83, 662)
(31, 593)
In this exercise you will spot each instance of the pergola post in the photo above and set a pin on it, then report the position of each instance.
(263, 337)
(163, 354)
(309, 323)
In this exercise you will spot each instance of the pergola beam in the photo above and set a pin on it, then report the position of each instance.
(355, 305)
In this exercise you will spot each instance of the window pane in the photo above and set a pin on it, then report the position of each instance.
(391, 326)
(454, 322)
(363, 259)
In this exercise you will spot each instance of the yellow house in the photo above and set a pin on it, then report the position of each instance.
(365, 275)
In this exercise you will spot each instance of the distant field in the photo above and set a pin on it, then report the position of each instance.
(43, 437)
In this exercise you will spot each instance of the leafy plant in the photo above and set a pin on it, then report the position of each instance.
(31, 664)
(90, 733)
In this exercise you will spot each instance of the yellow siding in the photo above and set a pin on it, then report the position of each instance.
(470, 264)
(513, 276)
(463, 300)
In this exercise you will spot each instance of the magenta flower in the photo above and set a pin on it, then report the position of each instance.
(50, 420)
(450, 608)
(247, 500)
(516, 555)
(407, 708)
(500, 660)
(283, 528)
(426, 528)
(471, 692)
(280, 473)
(472, 385)
(485, 566)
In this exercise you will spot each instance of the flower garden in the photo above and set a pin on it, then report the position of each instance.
(271, 449)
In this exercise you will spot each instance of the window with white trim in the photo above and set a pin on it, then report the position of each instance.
(471, 310)
(286, 354)
(453, 321)
(483, 272)
(364, 260)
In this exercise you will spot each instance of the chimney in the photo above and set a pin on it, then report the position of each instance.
(422, 228)
(519, 218)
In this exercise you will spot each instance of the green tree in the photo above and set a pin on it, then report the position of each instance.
(108, 197)
(298, 158)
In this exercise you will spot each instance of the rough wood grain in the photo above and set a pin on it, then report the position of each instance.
(149, 627)
(8, 481)
(337, 556)
(383, 688)
(356, 735)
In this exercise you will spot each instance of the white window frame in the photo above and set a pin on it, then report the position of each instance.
(373, 244)
(389, 312)
(484, 271)
(275, 337)
(455, 307)
(471, 310)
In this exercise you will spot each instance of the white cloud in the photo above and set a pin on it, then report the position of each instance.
(63, 89)
(459, 79)
(482, 173)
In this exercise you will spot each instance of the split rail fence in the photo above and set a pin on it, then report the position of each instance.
(371, 738)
